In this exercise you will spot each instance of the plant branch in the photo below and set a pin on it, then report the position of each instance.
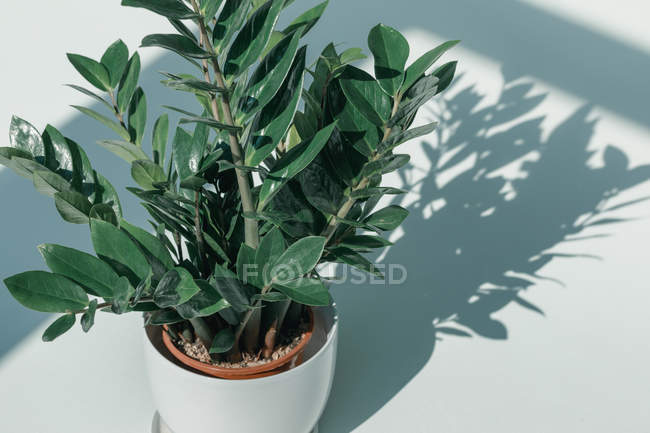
(200, 242)
(243, 180)
(119, 115)
(363, 183)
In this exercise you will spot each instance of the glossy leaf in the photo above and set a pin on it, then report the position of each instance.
(420, 93)
(230, 19)
(299, 259)
(230, 287)
(388, 218)
(420, 66)
(186, 159)
(292, 163)
(205, 303)
(128, 84)
(93, 95)
(445, 75)
(125, 150)
(356, 260)
(210, 122)
(252, 38)
(272, 123)
(122, 293)
(307, 20)
(104, 212)
(49, 183)
(46, 292)
(160, 137)
(364, 242)
(115, 60)
(119, 129)
(149, 243)
(223, 341)
(24, 136)
(105, 193)
(94, 72)
(146, 173)
(176, 287)
(137, 116)
(115, 247)
(306, 291)
(72, 206)
(178, 43)
(269, 75)
(168, 8)
(88, 318)
(365, 94)
(209, 8)
(370, 192)
(271, 248)
(391, 51)
(59, 327)
(403, 136)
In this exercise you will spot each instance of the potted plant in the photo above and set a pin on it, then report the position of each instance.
(277, 171)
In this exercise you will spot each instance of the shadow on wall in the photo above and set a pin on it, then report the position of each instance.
(474, 244)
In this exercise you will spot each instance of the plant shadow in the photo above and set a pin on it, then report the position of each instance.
(474, 242)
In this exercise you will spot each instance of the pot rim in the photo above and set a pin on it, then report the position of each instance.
(330, 334)
(266, 369)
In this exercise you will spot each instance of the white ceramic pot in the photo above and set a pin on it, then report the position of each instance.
(289, 402)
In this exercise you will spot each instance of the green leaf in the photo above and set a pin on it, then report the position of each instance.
(306, 291)
(271, 297)
(272, 123)
(122, 293)
(420, 66)
(46, 292)
(168, 8)
(178, 43)
(176, 287)
(210, 122)
(352, 55)
(230, 287)
(186, 158)
(299, 259)
(388, 218)
(146, 173)
(24, 136)
(230, 20)
(94, 72)
(164, 317)
(115, 60)
(91, 94)
(85, 269)
(209, 8)
(403, 136)
(292, 163)
(252, 38)
(88, 318)
(104, 212)
(364, 242)
(72, 206)
(223, 341)
(160, 137)
(119, 129)
(354, 259)
(115, 247)
(369, 192)
(365, 94)
(59, 327)
(391, 51)
(137, 116)
(188, 83)
(205, 303)
(445, 75)
(128, 84)
(150, 243)
(420, 93)
(246, 270)
(269, 76)
(125, 150)
(49, 183)
(271, 248)
(7, 153)
(105, 193)
(307, 20)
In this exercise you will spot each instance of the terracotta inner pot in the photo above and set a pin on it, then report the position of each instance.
(287, 362)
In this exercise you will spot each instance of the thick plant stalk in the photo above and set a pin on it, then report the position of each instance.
(243, 180)
(269, 339)
(251, 333)
(199, 234)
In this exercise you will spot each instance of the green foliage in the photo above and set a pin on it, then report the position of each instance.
(276, 171)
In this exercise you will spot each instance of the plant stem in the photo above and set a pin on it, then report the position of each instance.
(200, 242)
(243, 180)
(363, 183)
(117, 110)
(106, 304)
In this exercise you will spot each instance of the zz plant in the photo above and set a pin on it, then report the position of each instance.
(277, 170)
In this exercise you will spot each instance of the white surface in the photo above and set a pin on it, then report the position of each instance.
(291, 402)
(581, 367)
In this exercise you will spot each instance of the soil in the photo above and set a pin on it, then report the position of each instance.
(198, 351)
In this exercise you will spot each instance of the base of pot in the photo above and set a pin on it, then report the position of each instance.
(158, 425)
